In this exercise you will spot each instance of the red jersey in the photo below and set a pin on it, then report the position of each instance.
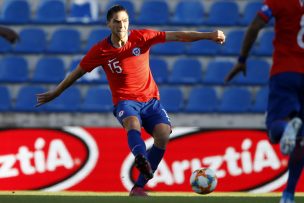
(127, 68)
(288, 44)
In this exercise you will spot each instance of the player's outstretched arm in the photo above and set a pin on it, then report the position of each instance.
(217, 36)
(9, 34)
(67, 82)
(251, 34)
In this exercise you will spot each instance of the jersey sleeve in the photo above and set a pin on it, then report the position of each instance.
(266, 12)
(92, 59)
(154, 37)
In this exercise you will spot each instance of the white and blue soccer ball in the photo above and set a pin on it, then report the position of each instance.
(203, 181)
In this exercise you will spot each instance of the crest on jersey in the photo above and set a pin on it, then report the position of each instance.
(136, 51)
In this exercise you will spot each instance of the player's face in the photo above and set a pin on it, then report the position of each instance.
(119, 24)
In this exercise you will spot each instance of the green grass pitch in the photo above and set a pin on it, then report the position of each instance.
(92, 197)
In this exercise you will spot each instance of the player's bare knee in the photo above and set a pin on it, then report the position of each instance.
(160, 143)
(131, 122)
(161, 135)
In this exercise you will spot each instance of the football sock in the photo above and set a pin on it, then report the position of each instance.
(136, 143)
(276, 130)
(155, 155)
(295, 167)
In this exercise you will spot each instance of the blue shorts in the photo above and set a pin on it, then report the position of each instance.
(148, 113)
(286, 97)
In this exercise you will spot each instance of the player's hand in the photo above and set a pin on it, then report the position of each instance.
(218, 36)
(9, 34)
(239, 67)
(45, 97)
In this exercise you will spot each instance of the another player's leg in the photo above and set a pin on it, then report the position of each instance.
(295, 167)
(289, 136)
(276, 130)
(286, 133)
(284, 101)
(283, 110)
(295, 164)
(287, 198)
(288, 140)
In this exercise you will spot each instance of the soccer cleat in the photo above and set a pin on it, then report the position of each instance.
(287, 198)
(288, 140)
(137, 191)
(143, 165)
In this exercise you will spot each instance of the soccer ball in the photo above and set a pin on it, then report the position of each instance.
(203, 181)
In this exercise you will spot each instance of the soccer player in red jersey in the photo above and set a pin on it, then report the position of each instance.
(285, 111)
(124, 56)
(9, 34)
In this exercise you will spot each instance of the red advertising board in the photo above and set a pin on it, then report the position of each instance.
(98, 159)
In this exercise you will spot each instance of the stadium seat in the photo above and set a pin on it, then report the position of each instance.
(233, 45)
(188, 13)
(5, 46)
(257, 73)
(65, 41)
(50, 12)
(97, 99)
(49, 70)
(223, 13)
(186, 71)
(83, 12)
(202, 100)
(250, 11)
(260, 101)
(154, 12)
(171, 98)
(129, 5)
(169, 48)
(264, 46)
(96, 76)
(68, 101)
(15, 12)
(26, 99)
(203, 47)
(235, 100)
(216, 72)
(95, 36)
(13, 69)
(74, 62)
(159, 69)
(5, 99)
(32, 40)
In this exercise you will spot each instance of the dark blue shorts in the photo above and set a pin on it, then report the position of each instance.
(148, 113)
(286, 97)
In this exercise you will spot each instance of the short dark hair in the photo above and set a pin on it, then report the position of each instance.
(115, 9)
